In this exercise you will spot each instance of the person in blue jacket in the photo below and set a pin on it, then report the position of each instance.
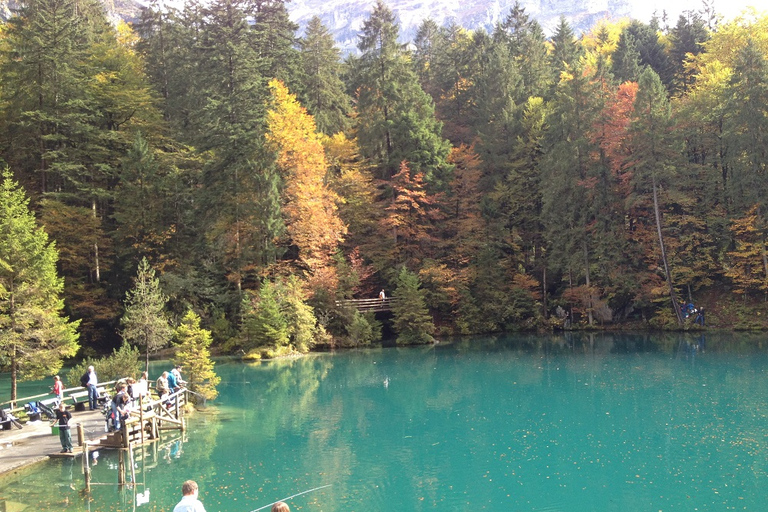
(173, 385)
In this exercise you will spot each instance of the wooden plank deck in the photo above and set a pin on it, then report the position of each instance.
(367, 305)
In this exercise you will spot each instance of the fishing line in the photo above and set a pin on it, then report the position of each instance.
(291, 497)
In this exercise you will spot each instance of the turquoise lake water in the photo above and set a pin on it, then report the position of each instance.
(577, 423)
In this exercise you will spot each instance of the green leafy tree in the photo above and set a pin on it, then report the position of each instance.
(145, 322)
(144, 226)
(746, 130)
(194, 354)
(299, 315)
(412, 320)
(34, 337)
(527, 45)
(626, 59)
(122, 362)
(567, 166)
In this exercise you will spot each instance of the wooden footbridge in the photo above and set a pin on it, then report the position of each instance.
(367, 305)
(144, 423)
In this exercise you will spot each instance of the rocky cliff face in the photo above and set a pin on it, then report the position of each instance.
(345, 17)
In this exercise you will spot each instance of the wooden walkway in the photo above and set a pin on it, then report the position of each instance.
(367, 305)
(34, 442)
(146, 421)
(143, 425)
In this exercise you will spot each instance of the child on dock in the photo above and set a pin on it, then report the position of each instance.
(63, 416)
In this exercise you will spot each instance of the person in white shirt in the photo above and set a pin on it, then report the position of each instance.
(189, 501)
(93, 393)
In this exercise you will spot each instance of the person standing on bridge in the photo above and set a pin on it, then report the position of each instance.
(382, 295)
(91, 385)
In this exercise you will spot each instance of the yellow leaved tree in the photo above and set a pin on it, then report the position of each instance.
(310, 206)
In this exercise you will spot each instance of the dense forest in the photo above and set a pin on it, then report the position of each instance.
(487, 181)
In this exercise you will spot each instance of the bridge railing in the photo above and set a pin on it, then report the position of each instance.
(365, 305)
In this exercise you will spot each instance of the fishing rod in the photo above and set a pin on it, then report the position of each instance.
(291, 497)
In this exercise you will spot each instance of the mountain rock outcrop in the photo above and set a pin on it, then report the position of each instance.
(344, 18)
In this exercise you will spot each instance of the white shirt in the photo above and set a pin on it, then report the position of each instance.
(189, 504)
(92, 380)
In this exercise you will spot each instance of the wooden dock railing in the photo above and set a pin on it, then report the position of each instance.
(365, 305)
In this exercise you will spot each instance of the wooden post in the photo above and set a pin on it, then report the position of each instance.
(141, 416)
(121, 467)
(133, 468)
(86, 463)
(80, 435)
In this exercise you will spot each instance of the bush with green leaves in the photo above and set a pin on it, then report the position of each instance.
(364, 329)
(123, 362)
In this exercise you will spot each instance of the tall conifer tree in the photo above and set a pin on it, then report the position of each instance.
(396, 118)
(34, 337)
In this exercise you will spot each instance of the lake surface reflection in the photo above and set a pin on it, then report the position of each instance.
(571, 423)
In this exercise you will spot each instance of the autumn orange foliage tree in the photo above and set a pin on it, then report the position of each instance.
(747, 264)
(310, 207)
(407, 227)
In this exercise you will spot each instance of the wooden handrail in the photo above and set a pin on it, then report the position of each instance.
(68, 391)
(363, 305)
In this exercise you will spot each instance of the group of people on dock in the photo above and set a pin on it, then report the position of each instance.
(128, 392)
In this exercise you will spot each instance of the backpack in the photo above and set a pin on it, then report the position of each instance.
(84, 379)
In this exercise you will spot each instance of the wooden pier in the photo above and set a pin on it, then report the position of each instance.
(143, 425)
(367, 305)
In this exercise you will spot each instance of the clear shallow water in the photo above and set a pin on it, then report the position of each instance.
(520, 423)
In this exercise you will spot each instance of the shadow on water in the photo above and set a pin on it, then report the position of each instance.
(574, 342)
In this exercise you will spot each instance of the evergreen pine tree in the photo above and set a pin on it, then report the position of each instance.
(264, 322)
(412, 320)
(34, 337)
(396, 118)
(654, 160)
(145, 322)
(193, 353)
(327, 101)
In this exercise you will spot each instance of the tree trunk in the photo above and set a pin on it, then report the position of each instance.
(589, 288)
(544, 289)
(97, 270)
(672, 294)
(14, 376)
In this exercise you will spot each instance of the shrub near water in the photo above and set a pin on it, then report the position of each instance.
(123, 362)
